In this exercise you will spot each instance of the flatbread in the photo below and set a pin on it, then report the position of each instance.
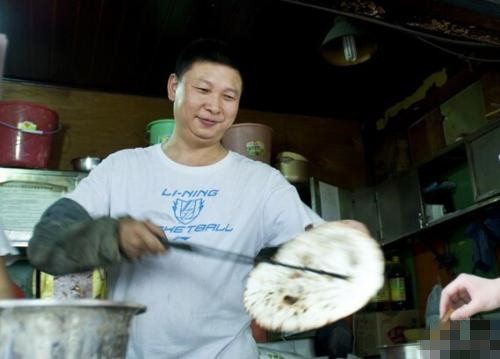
(289, 300)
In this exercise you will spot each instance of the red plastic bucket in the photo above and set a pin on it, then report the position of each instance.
(26, 131)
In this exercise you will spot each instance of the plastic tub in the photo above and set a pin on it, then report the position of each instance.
(252, 140)
(26, 131)
(160, 130)
(293, 166)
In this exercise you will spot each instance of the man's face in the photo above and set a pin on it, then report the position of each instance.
(206, 101)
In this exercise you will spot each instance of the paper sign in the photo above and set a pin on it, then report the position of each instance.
(3, 50)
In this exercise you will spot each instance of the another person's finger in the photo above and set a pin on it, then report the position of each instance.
(449, 299)
(464, 296)
(444, 305)
(451, 293)
(465, 311)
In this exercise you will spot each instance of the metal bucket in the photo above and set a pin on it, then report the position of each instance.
(69, 329)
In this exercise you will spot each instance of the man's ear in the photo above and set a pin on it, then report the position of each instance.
(172, 84)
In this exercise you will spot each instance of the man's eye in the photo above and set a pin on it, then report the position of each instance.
(229, 98)
(202, 89)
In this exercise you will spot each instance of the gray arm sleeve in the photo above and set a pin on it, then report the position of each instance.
(67, 240)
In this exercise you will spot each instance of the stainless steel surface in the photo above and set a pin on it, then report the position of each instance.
(364, 209)
(85, 164)
(485, 165)
(26, 193)
(69, 329)
(401, 351)
(240, 258)
(399, 205)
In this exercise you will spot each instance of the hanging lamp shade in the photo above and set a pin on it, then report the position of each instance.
(347, 44)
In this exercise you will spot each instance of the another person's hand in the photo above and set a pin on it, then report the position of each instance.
(137, 238)
(468, 295)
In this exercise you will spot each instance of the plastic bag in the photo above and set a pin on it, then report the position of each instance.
(432, 308)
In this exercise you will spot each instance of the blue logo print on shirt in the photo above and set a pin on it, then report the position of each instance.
(187, 211)
(187, 207)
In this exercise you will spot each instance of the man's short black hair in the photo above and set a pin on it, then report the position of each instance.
(211, 50)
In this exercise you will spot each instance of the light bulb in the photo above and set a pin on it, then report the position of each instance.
(350, 50)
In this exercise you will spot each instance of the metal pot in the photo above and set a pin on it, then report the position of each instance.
(65, 329)
(401, 351)
(85, 164)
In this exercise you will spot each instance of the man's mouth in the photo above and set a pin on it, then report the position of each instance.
(207, 121)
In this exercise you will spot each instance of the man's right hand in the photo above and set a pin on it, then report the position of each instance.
(137, 238)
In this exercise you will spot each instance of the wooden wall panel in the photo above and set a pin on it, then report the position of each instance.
(428, 272)
(334, 147)
(99, 123)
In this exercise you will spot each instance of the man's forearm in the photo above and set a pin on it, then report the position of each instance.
(68, 240)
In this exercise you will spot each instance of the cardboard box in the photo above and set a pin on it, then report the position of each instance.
(372, 330)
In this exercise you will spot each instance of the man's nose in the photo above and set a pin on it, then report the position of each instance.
(213, 103)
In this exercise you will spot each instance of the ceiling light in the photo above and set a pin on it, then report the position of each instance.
(347, 44)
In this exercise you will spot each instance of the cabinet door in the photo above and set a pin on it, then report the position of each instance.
(485, 164)
(364, 209)
(399, 206)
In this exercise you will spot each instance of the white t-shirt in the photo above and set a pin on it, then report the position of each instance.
(194, 303)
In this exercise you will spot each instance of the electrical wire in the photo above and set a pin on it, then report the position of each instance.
(392, 26)
(458, 54)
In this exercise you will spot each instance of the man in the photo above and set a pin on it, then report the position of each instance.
(188, 189)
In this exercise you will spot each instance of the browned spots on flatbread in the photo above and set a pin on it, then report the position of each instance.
(293, 300)
(306, 260)
(288, 299)
(353, 259)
